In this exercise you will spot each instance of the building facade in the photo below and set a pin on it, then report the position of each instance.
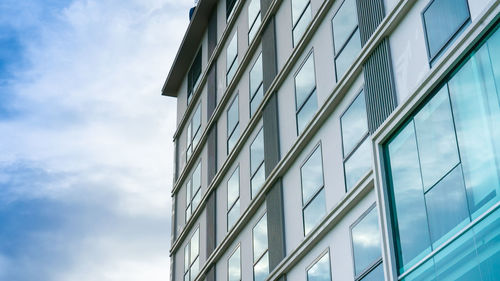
(329, 140)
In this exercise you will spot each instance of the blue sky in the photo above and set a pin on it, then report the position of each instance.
(85, 146)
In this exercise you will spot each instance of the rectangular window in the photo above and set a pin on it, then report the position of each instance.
(233, 198)
(193, 132)
(254, 19)
(257, 165)
(313, 194)
(193, 192)
(233, 122)
(234, 266)
(320, 269)
(443, 20)
(355, 142)
(231, 58)
(443, 164)
(365, 235)
(256, 88)
(191, 257)
(230, 7)
(306, 102)
(260, 253)
(346, 39)
(301, 17)
(194, 75)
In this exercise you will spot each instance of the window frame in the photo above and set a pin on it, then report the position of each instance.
(238, 246)
(189, 201)
(191, 136)
(261, 85)
(317, 259)
(229, 208)
(254, 261)
(254, 22)
(192, 87)
(377, 261)
(261, 165)
(236, 126)
(294, 24)
(230, 11)
(449, 40)
(310, 94)
(191, 262)
(234, 62)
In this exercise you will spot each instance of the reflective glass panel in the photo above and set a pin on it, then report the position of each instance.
(366, 242)
(306, 113)
(347, 56)
(354, 124)
(196, 119)
(233, 188)
(261, 268)
(232, 51)
(320, 271)
(301, 26)
(195, 268)
(254, 19)
(297, 8)
(358, 164)
(233, 215)
(258, 180)
(311, 174)
(257, 152)
(344, 22)
(197, 177)
(256, 76)
(233, 116)
(187, 262)
(195, 246)
(257, 99)
(233, 139)
(234, 267)
(260, 238)
(305, 81)
(377, 274)
(314, 212)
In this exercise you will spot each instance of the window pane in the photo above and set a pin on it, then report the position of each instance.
(257, 99)
(301, 26)
(258, 180)
(348, 55)
(257, 151)
(195, 246)
(494, 51)
(442, 19)
(412, 226)
(314, 212)
(188, 191)
(447, 207)
(297, 8)
(197, 177)
(358, 164)
(354, 124)
(196, 200)
(197, 119)
(256, 76)
(311, 175)
(377, 274)
(234, 268)
(305, 81)
(254, 19)
(233, 139)
(253, 30)
(231, 72)
(233, 188)
(260, 238)
(233, 115)
(233, 215)
(366, 242)
(232, 51)
(306, 113)
(261, 269)
(344, 23)
(320, 271)
(477, 115)
(195, 268)
(487, 235)
(187, 262)
(437, 146)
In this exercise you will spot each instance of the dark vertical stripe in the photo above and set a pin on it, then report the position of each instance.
(269, 58)
(275, 225)
(370, 15)
(211, 223)
(211, 91)
(379, 86)
(264, 6)
(212, 33)
(210, 274)
(271, 134)
(212, 153)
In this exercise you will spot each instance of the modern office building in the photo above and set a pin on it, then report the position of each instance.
(329, 140)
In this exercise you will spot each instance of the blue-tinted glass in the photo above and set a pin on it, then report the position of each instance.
(301, 26)
(358, 164)
(425, 272)
(488, 246)
(257, 99)
(254, 19)
(297, 7)
(258, 180)
(307, 112)
(377, 274)
(261, 268)
(233, 187)
(260, 238)
(256, 76)
(494, 51)
(344, 23)
(233, 115)
(311, 175)
(232, 51)
(366, 242)
(354, 124)
(197, 177)
(233, 139)
(231, 72)
(314, 212)
(443, 18)
(447, 207)
(412, 226)
(257, 151)
(347, 56)
(233, 215)
(437, 146)
(477, 115)
(305, 81)
(320, 271)
(234, 268)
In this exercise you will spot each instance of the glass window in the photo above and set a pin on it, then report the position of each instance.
(306, 102)
(257, 166)
(366, 243)
(260, 254)
(356, 145)
(193, 132)
(194, 75)
(256, 89)
(233, 121)
(193, 192)
(254, 19)
(191, 257)
(230, 7)
(377, 274)
(313, 198)
(232, 58)
(301, 17)
(442, 21)
(233, 198)
(234, 266)
(346, 39)
(320, 270)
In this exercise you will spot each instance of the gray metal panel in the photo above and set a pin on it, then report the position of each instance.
(264, 6)
(275, 225)
(211, 223)
(370, 15)
(271, 134)
(211, 91)
(269, 57)
(212, 154)
(212, 33)
(211, 274)
(172, 268)
(380, 91)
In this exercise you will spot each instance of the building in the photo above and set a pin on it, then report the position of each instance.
(337, 140)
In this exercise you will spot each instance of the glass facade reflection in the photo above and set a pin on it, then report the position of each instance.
(191, 257)
(313, 194)
(234, 266)
(256, 88)
(320, 270)
(257, 165)
(444, 171)
(260, 253)
(306, 103)
(301, 17)
(366, 243)
(233, 198)
(233, 122)
(232, 58)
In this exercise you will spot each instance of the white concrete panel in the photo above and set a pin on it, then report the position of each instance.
(477, 7)
(283, 21)
(389, 5)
